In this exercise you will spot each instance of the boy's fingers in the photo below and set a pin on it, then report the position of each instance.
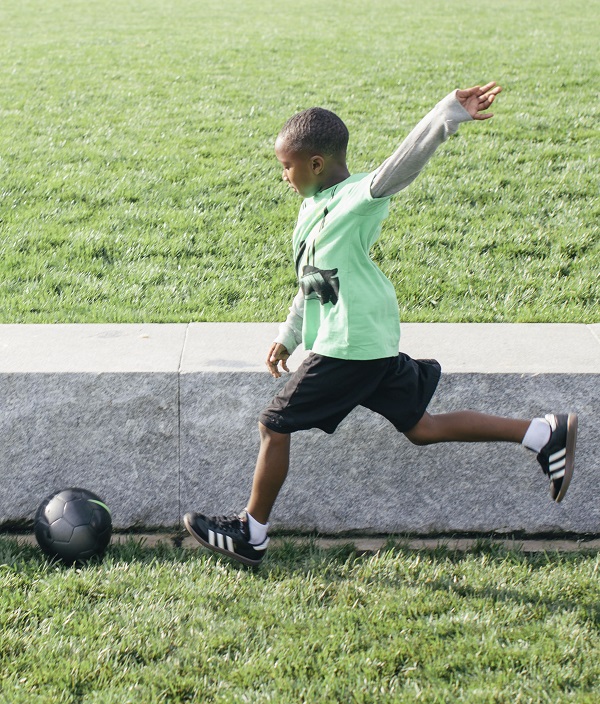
(277, 354)
(488, 86)
(271, 362)
(485, 101)
(273, 371)
(490, 95)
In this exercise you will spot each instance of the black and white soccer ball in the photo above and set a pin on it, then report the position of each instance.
(73, 525)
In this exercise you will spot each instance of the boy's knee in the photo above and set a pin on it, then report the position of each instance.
(417, 439)
(266, 434)
(420, 433)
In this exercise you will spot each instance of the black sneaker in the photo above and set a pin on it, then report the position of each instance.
(558, 455)
(229, 535)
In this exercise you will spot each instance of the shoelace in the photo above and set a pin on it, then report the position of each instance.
(227, 522)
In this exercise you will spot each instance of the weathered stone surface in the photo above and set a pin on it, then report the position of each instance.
(94, 406)
(116, 434)
(160, 419)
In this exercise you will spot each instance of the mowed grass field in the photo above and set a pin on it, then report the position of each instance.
(138, 183)
(311, 626)
(138, 180)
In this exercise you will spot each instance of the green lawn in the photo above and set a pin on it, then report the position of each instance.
(179, 625)
(138, 181)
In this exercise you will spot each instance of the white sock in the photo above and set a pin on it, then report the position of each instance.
(258, 531)
(537, 434)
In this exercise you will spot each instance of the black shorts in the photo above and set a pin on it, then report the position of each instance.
(323, 391)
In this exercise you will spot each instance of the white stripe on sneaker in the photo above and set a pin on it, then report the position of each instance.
(558, 455)
(230, 544)
(220, 541)
(557, 464)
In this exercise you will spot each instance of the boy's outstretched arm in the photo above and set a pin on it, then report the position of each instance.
(405, 164)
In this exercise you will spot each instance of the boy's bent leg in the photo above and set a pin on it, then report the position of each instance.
(271, 471)
(555, 450)
(234, 535)
(466, 426)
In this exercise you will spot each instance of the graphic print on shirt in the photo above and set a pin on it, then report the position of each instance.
(320, 283)
(317, 283)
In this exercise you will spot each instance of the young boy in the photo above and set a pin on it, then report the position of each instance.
(346, 313)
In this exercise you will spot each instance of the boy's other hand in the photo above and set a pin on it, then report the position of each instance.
(477, 99)
(278, 353)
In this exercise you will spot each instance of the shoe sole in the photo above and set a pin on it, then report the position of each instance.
(570, 456)
(234, 556)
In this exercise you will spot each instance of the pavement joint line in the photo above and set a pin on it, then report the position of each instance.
(364, 545)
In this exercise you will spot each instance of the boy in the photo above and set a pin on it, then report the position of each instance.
(346, 313)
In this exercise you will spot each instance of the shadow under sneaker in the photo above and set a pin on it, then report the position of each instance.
(557, 457)
(228, 535)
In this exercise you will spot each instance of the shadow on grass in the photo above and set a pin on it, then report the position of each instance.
(293, 555)
(500, 555)
(297, 557)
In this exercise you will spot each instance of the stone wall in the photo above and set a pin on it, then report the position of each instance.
(160, 419)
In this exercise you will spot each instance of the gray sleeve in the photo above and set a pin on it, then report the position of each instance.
(405, 164)
(290, 332)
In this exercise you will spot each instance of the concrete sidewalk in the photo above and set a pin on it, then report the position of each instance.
(160, 419)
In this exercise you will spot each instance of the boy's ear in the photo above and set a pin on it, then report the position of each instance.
(317, 163)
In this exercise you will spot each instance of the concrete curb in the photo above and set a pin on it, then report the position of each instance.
(363, 546)
(160, 419)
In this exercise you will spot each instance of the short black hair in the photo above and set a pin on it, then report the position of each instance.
(316, 130)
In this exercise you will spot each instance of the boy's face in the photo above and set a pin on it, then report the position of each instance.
(301, 171)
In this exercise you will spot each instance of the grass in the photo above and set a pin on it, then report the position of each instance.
(138, 181)
(178, 625)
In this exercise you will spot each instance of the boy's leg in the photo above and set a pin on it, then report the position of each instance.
(271, 471)
(553, 438)
(466, 426)
(244, 536)
(320, 394)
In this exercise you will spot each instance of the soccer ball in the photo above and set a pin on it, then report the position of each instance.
(73, 525)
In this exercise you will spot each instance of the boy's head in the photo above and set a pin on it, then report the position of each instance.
(312, 149)
(316, 130)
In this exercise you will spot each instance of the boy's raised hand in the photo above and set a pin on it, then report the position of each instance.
(277, 353)
(477, 99)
